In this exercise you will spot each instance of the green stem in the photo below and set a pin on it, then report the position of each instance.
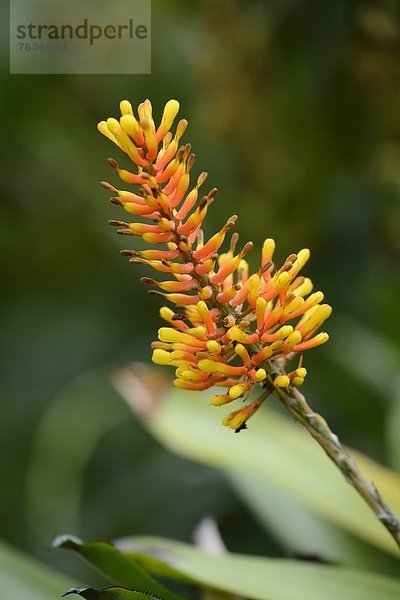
(296, 404)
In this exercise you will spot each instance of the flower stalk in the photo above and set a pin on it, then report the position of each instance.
(296, 404)
(230, 329)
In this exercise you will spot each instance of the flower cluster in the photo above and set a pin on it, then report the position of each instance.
(230, 328)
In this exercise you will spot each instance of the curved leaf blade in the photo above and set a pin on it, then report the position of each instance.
(112, 593)
(23, 577)
(115, 566)
(259, 578)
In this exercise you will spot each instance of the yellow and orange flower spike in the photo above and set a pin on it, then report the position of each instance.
(231, 329)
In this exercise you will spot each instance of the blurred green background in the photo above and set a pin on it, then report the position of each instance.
(293, 108)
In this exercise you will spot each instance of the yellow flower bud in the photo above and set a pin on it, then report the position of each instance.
(125, 107)
(213, 347)
(160, 357)
(221, 400)
(260, 375)
(282, 381)
(236, 391)
(268, 250)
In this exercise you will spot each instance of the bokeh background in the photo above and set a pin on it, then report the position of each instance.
(294, 110)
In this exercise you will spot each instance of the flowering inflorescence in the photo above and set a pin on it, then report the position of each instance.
(230, 328)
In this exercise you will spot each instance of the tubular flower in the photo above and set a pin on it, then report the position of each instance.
(228, 328)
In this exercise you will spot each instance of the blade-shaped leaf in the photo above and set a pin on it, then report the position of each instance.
(281, 452)
(302, 531)
(113, 593)
(23, 578)
(259, 578)
(115, 566)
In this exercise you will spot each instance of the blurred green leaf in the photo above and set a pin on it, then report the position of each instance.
(113, 593)
(393, 426)
(23, 578)
(277, 450)
(259, 578)
(115, 566)
(67, 436)
(300, 530)
(355, 348)
(385, 479)
(252, 577)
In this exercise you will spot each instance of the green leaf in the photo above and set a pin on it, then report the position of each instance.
(115, 566)
(259, 578)
(276, 450)
(393, 426)
(23, 578)
(301, 531)
(66, 438)
(113, 593)
(355, 348)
